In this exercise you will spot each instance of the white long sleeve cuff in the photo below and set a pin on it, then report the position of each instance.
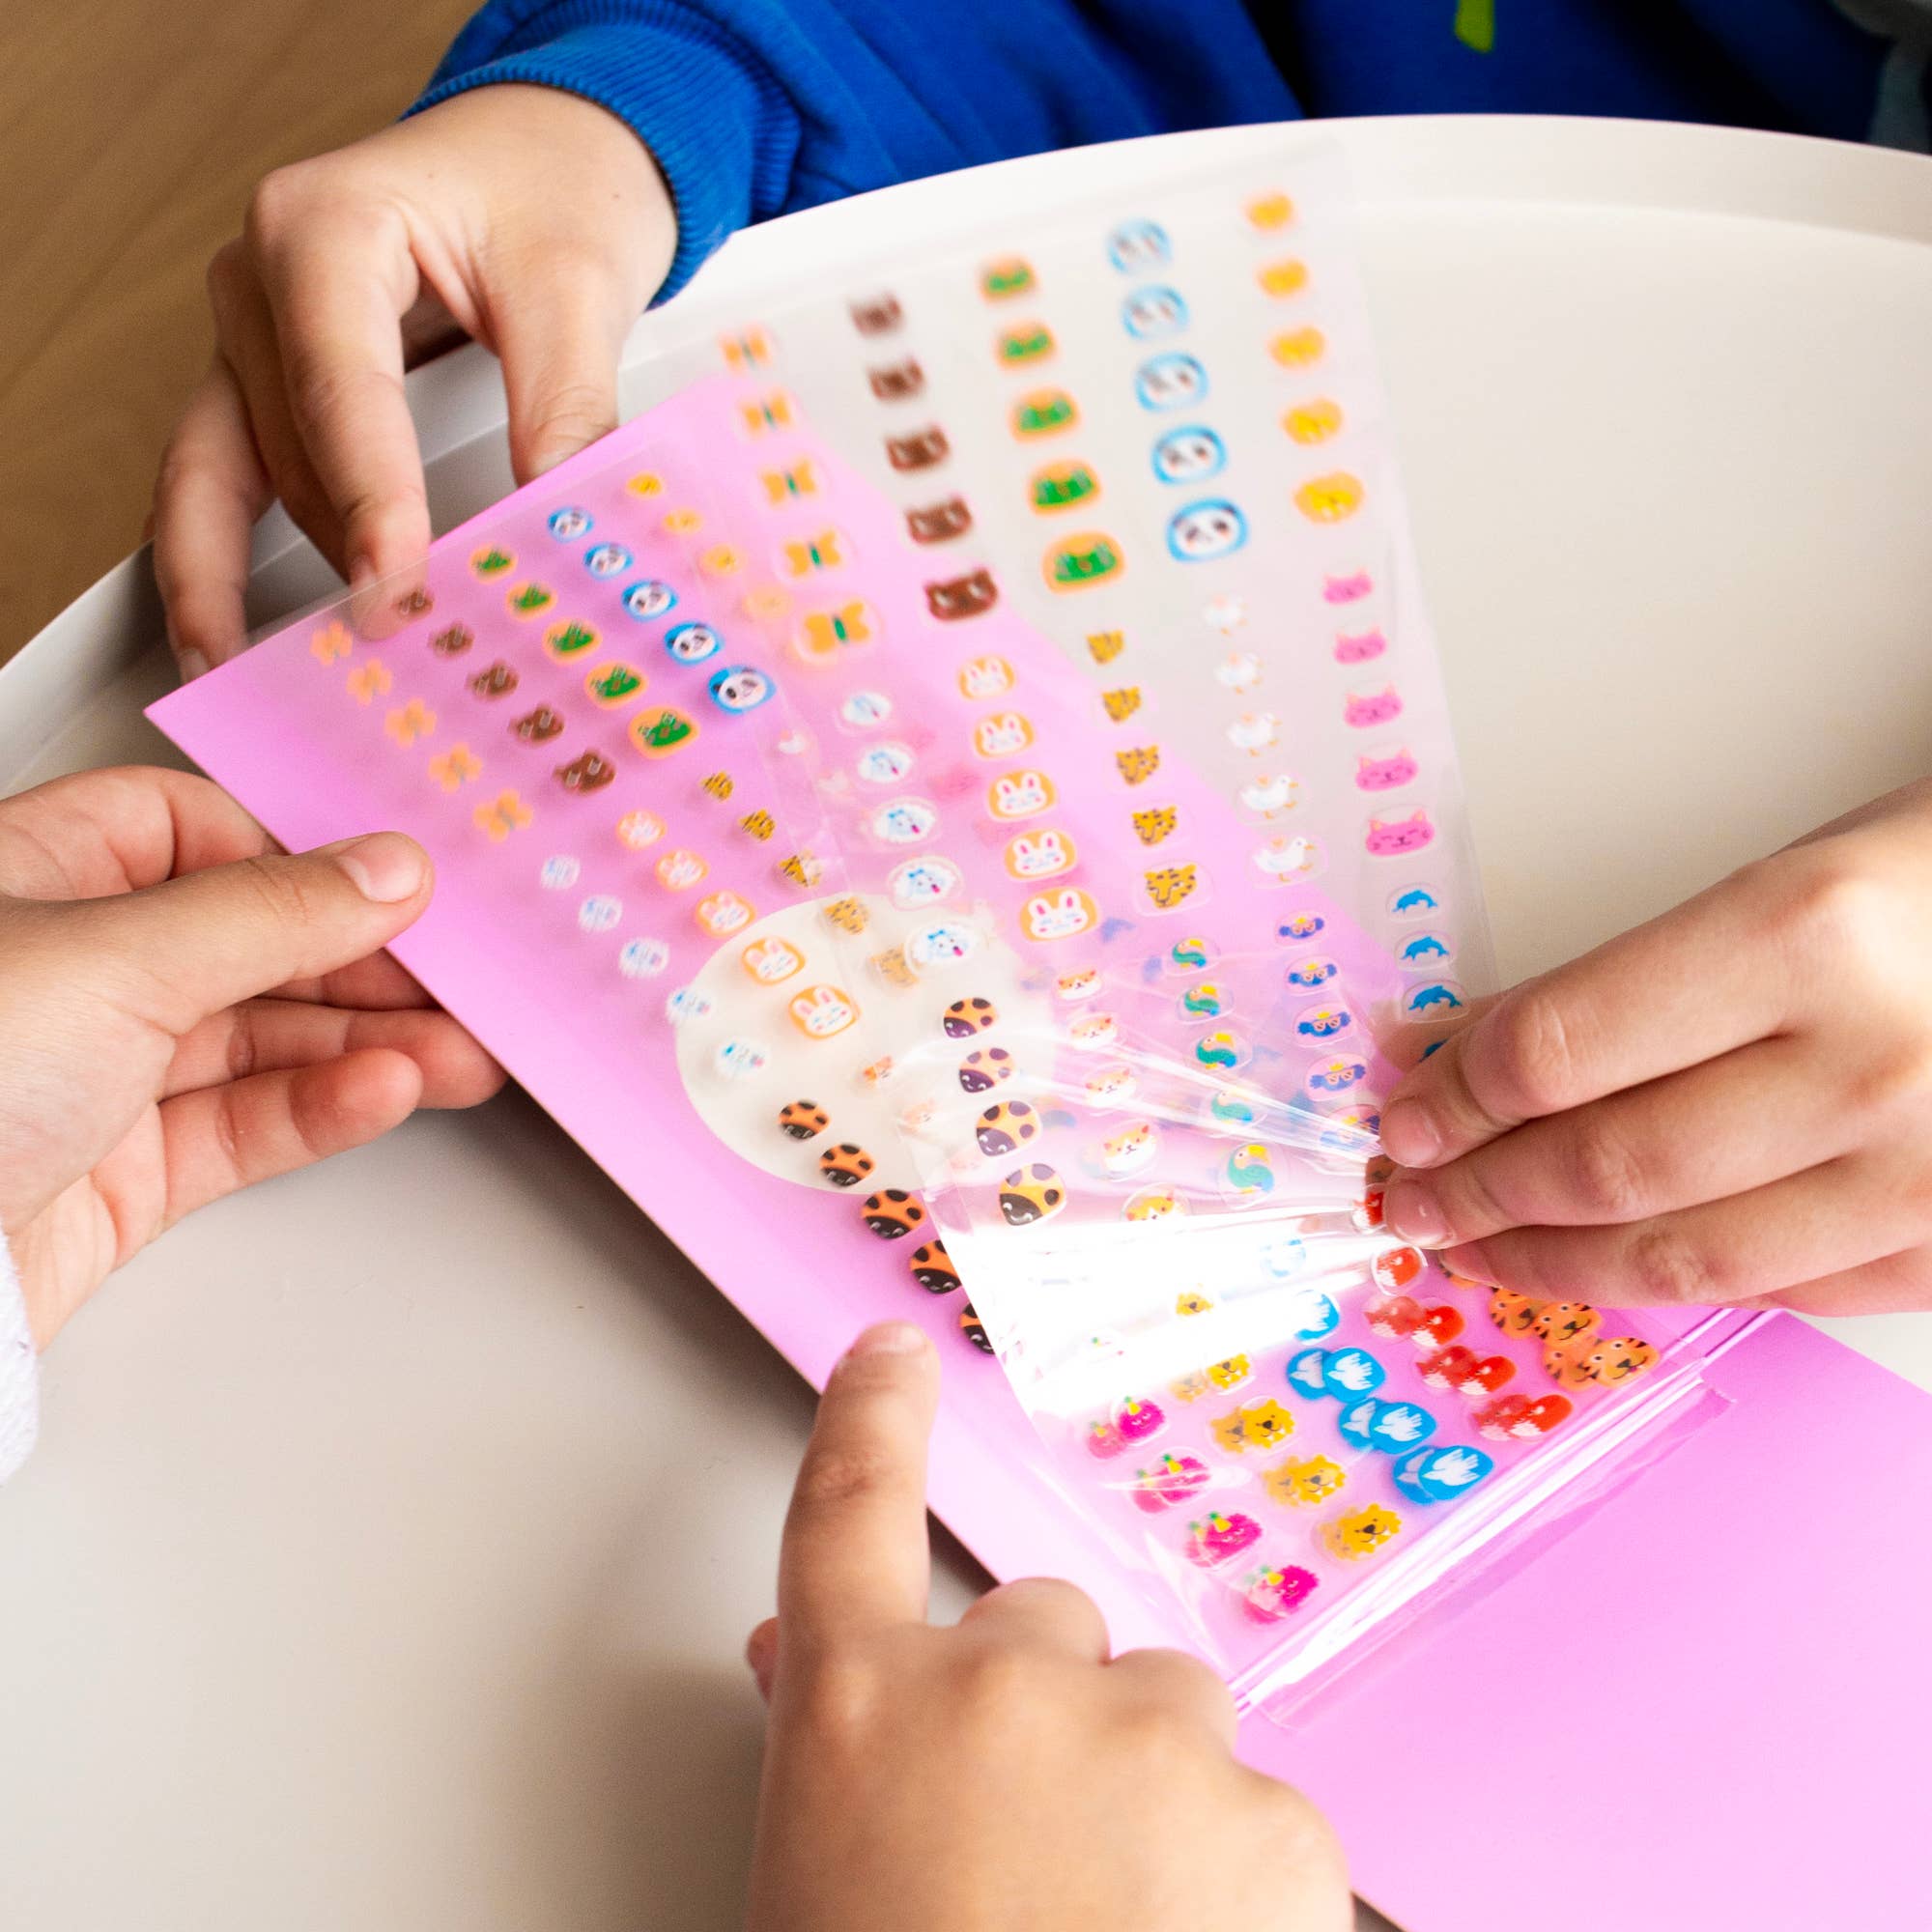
(19, 1372)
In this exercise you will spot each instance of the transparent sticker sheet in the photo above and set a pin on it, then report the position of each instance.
(984, 731)
(1215, 842)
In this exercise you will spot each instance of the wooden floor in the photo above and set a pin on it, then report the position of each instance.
(130, 132)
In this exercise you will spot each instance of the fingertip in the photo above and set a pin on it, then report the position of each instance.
(386, 868)
(761, 1656)
(1409, 1133)
(367, 1091)
(889, 1338)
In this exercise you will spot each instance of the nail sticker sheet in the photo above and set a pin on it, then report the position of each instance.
(963, 790)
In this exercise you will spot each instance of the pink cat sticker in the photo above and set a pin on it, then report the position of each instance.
(1390, 838)
(1375, 707)
(1385, 774)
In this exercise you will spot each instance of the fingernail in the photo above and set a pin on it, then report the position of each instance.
(384, 866)
(889, 1338)
(1409, 1210)
(1409, 1134)
(194, 664)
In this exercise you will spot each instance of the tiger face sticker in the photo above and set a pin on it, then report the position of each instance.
(1138, 765)
(1154, 826)
(1170, 886)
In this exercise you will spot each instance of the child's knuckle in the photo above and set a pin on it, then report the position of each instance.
(1608, 1176)
(833, 1481)
(1531, 1056)
(280, 201)
(1667, 1267)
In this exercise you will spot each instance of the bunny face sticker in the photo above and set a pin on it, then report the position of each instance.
(1204, 532)
(1170, 382)
(1059, 915)
(1020, 795)
(1002, 734)
(1189, 455)
(821, 1012)
(1039, 854)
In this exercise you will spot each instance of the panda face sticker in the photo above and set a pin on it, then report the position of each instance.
(739, 688)
(1189, 455)
(607, 559)
(651, 598)
(1149, 314)
(1206, 530)
(569, 523)
(1135, 246)
(1170, 382)
(691, 643)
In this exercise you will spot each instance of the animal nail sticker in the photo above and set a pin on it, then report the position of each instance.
(1137, 245)
(657, 733)
(1220, 1537)
(1170, 382)
(1272, 1594)
(1154, 311)
(940, 522)
(1032, 1194)
(1205, 530)
(1011, 275)
(1062, 486)
(1029, 342)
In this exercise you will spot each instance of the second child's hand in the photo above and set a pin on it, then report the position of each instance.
(524, 217)
(1010, 1773)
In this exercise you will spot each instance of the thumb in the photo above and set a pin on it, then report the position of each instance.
(559, 341)
(196, 945)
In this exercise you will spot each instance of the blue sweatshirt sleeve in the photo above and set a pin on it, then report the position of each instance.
(758, 107)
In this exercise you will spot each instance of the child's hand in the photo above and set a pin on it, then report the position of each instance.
(1730, 1104)
(1004, 1773)
(523, 216)
(186, 1010)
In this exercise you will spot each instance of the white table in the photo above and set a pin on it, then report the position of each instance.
(362, 1578)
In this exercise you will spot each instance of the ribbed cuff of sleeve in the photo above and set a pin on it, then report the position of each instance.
(706, 115)
(19, 1372)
